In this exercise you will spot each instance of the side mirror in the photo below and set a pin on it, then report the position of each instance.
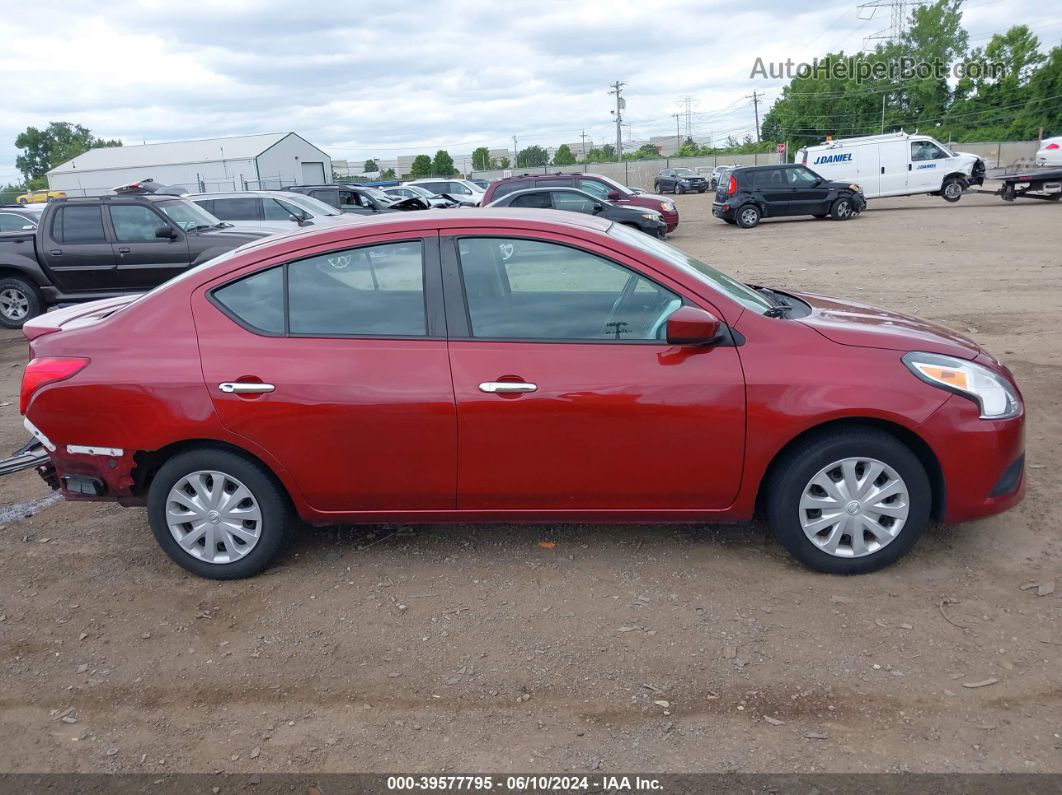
(165, 233)
(613, 195)
(598, 208)
(689, 325)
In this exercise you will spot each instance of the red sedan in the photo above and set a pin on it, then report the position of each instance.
(501, 365)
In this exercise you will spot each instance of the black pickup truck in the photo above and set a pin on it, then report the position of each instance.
(102, 246)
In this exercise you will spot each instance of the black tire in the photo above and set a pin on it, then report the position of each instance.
(842, 209)
(273, 503)
(792, 474)
(679, 189)
(19, 301)
(952, 186)
(656, 188)
(702, 190)
(748, 216)
(23, 202)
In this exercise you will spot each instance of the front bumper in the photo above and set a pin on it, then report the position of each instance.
(982, 462)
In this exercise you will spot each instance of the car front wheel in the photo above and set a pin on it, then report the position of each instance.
(218, 514)
(951, 190)
(849, 502)
(842, 209)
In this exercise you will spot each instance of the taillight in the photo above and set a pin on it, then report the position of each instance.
(46, 370)
(731, 187)
(1051, 146)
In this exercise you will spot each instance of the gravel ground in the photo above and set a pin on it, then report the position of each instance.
(666, 649)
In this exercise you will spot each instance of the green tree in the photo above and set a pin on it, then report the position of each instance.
(55, 144)
(563, 156)
(370, 166)
(533, 155)
(502, 163)
(421, 167)
(387, 173)
(481, 159)
(443, 165)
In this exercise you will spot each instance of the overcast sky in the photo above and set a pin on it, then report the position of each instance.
(379, 79)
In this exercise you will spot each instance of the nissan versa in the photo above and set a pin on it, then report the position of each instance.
(421, 368)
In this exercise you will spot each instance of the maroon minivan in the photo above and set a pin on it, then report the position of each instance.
(595, 184)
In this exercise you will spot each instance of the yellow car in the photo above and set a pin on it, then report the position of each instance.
(39, 196)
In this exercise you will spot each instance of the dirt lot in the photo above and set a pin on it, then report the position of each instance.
(658, 649)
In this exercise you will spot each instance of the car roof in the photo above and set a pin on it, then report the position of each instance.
(443, 220)
(764, 167)
(550, 188)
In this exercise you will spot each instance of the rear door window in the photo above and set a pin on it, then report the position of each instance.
(511, 187)
(248, 209)
(539, 199)
(594, 187)
(79, 224)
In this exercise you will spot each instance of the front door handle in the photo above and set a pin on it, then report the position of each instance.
(494, 387)
(245, 388)
(123, 249)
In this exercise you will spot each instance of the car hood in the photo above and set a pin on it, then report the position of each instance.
(651, 200)
(864, 326)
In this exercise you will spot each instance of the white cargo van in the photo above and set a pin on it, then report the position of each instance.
(895, 164)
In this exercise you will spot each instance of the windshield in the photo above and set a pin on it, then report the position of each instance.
(614, 184)
(310, 204)
(187, 215)
(685, 172)
(732, 288)
(379, 195)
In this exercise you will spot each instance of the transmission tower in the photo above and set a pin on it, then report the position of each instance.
(898, 11)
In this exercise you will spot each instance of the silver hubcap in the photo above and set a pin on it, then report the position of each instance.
(213, 517)
(844, 209)
(854, 507)
(952, 190)
(14, 305)
(748, 216)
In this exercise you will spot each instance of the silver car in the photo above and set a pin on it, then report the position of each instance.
(272, 211)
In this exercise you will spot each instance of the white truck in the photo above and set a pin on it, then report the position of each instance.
(896, 164)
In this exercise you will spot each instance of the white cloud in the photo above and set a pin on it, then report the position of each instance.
(377, 79)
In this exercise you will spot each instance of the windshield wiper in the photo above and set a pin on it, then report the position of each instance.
(779, 307)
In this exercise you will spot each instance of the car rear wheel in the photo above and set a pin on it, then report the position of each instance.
(951, 190)
(19, 301)
(218, 514)
(842, 209)
(849, 502)
(23, 202)
(656, 187)
(748, 216)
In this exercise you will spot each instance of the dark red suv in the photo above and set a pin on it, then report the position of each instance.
(595, 184)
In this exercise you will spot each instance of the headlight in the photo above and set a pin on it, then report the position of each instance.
(651, 216)
(855, 189)
(667, 207)
(993, 394)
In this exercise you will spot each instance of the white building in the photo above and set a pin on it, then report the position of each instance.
(246, 162)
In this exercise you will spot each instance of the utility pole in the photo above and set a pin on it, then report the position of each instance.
(582, 135)
(514, 151)
(621, 104)
(678, 138)
(898, 18)
(883, 95)
(756, 106)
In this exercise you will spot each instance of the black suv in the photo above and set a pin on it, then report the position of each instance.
(747, 194)
(679, 180)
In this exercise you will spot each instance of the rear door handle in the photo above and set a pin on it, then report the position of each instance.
(56, 252)
(883, 169)
(123, 249)
(244, 388)
(507, 386)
